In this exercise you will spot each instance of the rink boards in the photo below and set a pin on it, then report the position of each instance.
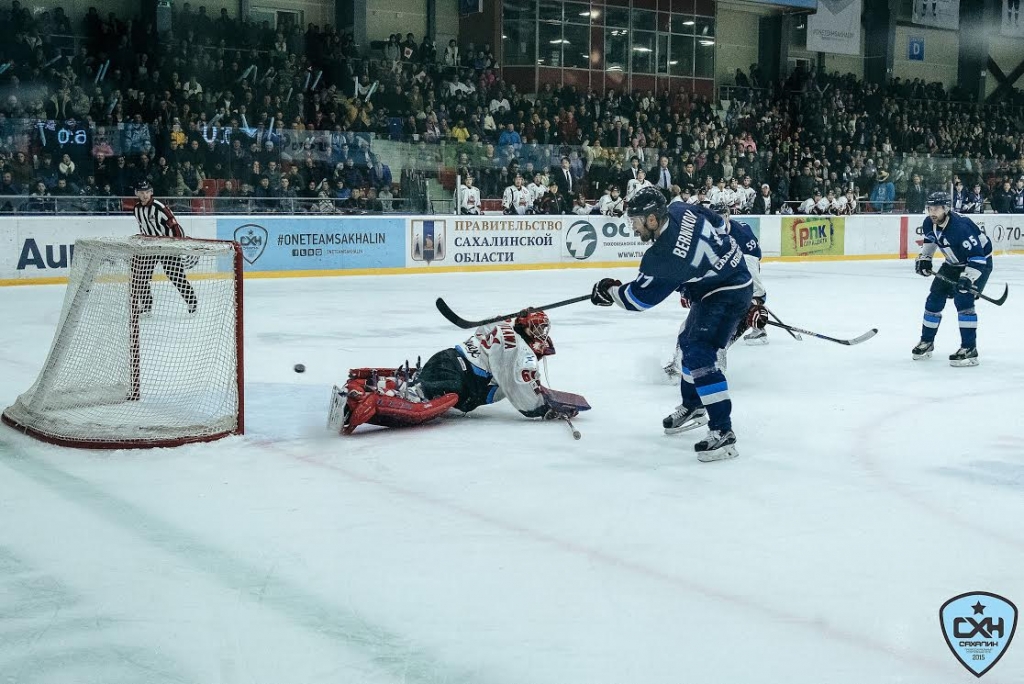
(37, 250)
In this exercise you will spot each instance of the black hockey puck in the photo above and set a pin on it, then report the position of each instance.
(299, 368)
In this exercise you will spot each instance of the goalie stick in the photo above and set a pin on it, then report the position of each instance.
(997, 302)
(849, 343)
(454, 318)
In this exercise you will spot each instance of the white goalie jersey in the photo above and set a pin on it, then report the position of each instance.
(499, 352)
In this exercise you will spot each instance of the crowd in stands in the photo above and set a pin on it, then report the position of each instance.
(291, 119)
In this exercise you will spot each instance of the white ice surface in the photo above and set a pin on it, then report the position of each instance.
(492, 549)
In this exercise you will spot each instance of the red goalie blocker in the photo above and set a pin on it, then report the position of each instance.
(380, 404)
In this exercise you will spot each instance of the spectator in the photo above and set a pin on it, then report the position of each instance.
(916, 196)
(452, 58)
(386, 198)
(9, 193)
(1002, 199)
(764, 203)
(884, 193)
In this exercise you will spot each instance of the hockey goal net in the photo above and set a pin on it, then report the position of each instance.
(148, 348)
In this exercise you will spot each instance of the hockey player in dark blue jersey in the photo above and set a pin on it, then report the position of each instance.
(744, 236)
(689, 251)
(968, 253)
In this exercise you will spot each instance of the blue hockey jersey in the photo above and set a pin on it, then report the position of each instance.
(691, 252)
(743, 234)
(961, 241)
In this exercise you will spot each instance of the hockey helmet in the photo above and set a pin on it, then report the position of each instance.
(648, 201)
(142, 185)
(939, 199)
(535, 328)
(720, 208)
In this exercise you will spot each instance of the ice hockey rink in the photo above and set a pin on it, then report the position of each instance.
(492, 549)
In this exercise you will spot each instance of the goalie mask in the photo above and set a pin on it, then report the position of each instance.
(534, 327)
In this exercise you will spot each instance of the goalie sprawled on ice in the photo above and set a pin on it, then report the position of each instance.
(499, 361)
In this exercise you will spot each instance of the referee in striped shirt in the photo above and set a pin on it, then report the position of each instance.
(156, 220)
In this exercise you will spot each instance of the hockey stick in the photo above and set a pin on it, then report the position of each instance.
(856, 340)
(576, 434)
(997, 302)
(796, 336)
(454, 318)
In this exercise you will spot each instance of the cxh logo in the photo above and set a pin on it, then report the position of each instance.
(978, 628)
(253, 240)
(428, 240)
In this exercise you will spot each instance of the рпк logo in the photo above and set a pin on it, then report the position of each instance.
(581, 240)
(253, 239)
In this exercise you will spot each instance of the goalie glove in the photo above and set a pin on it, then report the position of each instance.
(757, 316)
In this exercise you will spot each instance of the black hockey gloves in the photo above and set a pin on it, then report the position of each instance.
(600, 295)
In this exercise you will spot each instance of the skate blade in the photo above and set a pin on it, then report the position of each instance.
(719, 454)
(756, 341)
(687, 426)
(922, 357)
(965, 363)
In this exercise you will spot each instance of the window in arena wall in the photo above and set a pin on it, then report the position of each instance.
(577, 13)
(705, 27)
(616, 17)
(519, 32)
(576, 46)
(643, 52)
(616, 49)
(680, 61)
(663, 54)
(683, 24)
(549, 44)
(550, 10)
(704, 58)
(645, 20)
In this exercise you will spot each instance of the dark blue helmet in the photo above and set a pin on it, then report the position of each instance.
(940, 199)
(648, 201)
(143, 185)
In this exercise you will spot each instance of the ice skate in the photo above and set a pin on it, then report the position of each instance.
(963, 357)
(684, 419)
(756, 338)
(923, 350)
(717, 446)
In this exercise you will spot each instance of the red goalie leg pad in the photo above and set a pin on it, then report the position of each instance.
(359, 409)
(398, 412)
